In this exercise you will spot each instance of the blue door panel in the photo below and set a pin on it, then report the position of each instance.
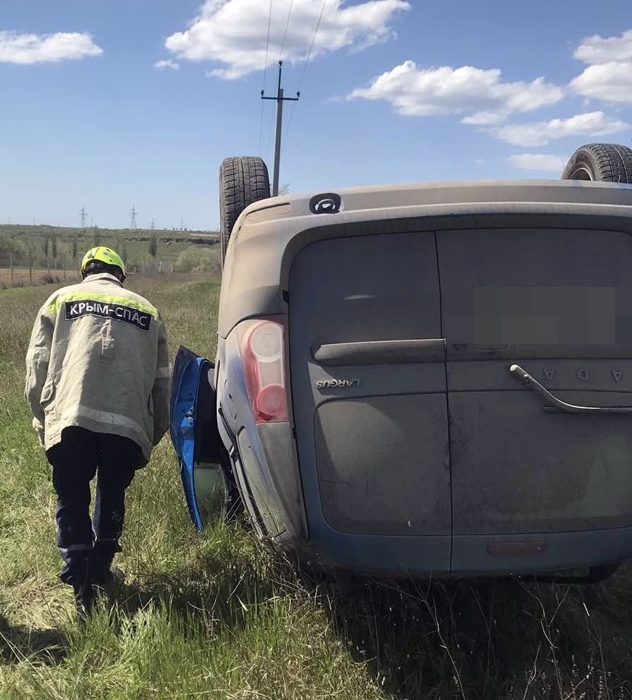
(186, 412)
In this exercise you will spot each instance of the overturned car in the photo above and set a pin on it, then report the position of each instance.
(422, 380)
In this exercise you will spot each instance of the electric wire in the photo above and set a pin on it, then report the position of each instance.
(265, 64)
(309, 53)
(287, 24)
(260, 128)
(289, 122)
(265, 71)
(269, 147)
(311, 48)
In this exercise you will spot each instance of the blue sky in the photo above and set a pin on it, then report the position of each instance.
(114, 103)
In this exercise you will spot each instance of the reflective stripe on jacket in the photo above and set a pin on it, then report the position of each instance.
(98, 359)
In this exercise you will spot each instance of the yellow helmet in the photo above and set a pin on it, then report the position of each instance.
(103, 255)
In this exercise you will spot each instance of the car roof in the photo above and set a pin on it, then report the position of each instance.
(269, 232)
(426, 194)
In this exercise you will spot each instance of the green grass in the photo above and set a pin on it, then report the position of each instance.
(216, 616)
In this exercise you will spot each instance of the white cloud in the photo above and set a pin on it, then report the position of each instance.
(161, 65)
(479, 94)
(537, 161)
(611, 82)
(596, 49)
(608, 76)
(542, 133)
(235, 32)
(33, 48)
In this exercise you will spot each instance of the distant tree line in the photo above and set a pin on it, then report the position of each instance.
(55, 248)
(44, 251)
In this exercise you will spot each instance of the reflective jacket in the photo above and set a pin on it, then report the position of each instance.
(98, 359)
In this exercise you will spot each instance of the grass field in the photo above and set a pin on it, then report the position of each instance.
(215, 616)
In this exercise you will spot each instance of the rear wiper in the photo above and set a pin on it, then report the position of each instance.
(555, 404)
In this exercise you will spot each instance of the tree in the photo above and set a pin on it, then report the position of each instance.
(75, 245)
(53, 242)
(153, 245)
(96, 236)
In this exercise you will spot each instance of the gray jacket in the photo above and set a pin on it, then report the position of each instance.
(98, 359)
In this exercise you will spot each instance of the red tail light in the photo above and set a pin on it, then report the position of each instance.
(262, 350)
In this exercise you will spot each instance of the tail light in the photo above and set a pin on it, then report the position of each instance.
(262, 351)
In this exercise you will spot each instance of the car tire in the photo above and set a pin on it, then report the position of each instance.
(603, 572)
(605, 162)
(242, 181)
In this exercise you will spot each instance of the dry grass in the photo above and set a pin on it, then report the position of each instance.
(216, 616)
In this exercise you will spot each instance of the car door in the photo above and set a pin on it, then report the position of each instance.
(368, 390)
(555, 304)
(195, 437)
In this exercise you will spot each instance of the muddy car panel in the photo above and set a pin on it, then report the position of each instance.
(409, 445)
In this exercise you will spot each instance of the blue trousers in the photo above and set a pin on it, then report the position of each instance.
(87, 545)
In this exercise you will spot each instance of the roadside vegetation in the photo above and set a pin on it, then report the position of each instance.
(31, 255)
(215, 615)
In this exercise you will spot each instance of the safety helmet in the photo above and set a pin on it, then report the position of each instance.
(104, 255)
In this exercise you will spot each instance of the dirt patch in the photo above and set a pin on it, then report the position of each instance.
(27, 278)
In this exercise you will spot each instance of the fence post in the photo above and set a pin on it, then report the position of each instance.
(11, 266)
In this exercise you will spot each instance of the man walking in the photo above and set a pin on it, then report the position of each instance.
(97, 382)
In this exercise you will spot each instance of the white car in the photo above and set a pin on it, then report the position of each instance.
(423, 380)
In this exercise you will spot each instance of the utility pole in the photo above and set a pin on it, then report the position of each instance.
(83, 215)
(132, 223)
(277, 143)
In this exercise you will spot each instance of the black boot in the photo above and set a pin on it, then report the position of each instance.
(102, 574)
(76, 574)
(84, 599)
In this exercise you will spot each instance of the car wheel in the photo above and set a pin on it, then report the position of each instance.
(603, 572)
(606, 162)
(242, 181)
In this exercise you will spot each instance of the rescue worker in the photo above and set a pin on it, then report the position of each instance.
(97, 382)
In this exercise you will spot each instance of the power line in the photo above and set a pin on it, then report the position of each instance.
(269, 135)
(287, 24)
(265, 64)
(309, 53)
(289, 122)
(265, 70)
(260, 129)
